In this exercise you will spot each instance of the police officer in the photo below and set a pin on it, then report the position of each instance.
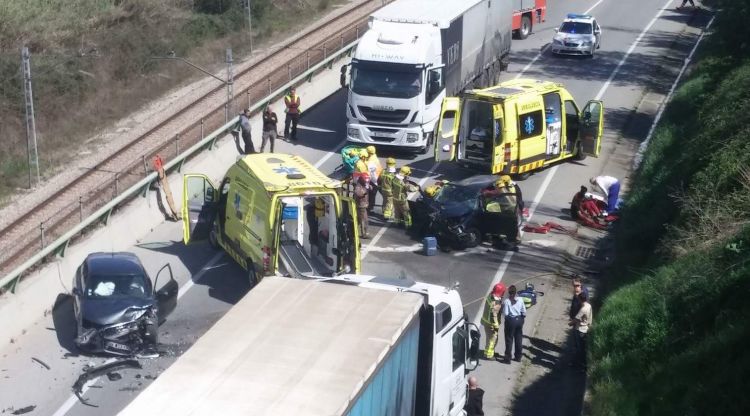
(491, 318)
(386, 187)
(401, 188)
(293, 111)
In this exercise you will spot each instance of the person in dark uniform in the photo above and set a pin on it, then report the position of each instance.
(474, 399)
(514, 311)
(245, 131)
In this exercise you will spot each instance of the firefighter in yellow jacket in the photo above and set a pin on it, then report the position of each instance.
(386, 187)
(491, 318)
(401, 188)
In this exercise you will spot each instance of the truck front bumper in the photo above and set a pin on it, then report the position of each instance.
(413, 137)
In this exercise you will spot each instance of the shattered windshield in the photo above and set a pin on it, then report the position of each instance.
(117, 286)
(453, 193)
(579, 28)
(398, 81)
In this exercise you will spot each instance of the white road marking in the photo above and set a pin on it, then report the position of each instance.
(72, 400)
(318, 129)
(548, 179)
(328, 155)
(539, 55)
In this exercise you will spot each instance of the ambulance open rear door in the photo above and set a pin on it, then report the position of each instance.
(592, 126)
(446, 139)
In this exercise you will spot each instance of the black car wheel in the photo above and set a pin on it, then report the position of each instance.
(473, 238)
(151, 335)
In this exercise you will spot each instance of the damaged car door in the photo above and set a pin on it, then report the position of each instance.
(166, 297)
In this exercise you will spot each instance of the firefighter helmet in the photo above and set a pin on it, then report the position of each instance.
(371, 150)
(498, 291)
(405, 170)
(431, 190)
(363, 153)
(390, 162)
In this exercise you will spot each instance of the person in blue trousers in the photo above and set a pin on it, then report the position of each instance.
(610, 187)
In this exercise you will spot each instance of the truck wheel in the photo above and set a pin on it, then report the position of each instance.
(252, 276)
(525, 29)
(428, 145)
(579, 155)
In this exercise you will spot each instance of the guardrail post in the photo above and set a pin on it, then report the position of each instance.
(289, 71)
(325, 51)
(106, 217)
(177, 142)
(144, 193)
(145, 166)
(41, 228)
(179, 165)
(308, 58)
(269, 86)
(342, 42)
(356, 36)
(116, 175)
(202, 134)
(80, 207)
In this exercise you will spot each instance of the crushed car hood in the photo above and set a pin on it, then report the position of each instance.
(112, 311)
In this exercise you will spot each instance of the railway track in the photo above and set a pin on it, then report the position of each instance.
(95, 187)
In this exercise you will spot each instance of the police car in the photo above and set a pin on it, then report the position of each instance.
(579, 34)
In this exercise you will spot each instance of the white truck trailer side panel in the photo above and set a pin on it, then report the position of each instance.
(486, 37)
(289, 347)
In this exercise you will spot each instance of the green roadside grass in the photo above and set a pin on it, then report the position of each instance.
(672, 333)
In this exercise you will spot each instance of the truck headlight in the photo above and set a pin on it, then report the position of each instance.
(353, 132)
(412, 137)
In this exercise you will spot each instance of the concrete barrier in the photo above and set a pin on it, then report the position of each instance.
(35, 295)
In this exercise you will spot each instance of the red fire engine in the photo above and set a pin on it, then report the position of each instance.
(529, 13)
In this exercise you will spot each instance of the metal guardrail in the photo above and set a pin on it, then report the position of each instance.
(61, 244)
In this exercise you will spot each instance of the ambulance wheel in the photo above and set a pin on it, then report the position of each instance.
(474, 238)
(252, 276)
(213, 239)
(525, 29)
(579, 155)
(522, 176)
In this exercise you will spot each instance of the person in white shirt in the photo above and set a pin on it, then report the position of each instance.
(514, 311)
(610, 187)
(581, 322)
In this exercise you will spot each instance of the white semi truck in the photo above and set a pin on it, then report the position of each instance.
(348, 345)
(414, 53)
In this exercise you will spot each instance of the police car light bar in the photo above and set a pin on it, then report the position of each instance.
(578, 16)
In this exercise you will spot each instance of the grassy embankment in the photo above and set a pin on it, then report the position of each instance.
(673, 334)
(91, 63)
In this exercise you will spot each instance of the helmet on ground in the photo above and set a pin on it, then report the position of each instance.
(363, 153)
(405, 170)
(431, 190)
(390, 162)
(371, 150)
(498, 291)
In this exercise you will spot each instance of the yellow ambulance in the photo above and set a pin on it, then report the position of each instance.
(275, 214)
(517, 127)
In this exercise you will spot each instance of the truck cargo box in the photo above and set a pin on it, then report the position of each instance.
(298, 347)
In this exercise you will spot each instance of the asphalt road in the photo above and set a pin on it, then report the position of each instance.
(211, 283)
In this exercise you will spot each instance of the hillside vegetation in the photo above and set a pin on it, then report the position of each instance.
(91, 62)
(672, 335)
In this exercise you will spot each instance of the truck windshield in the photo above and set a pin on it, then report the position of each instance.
(386, 80)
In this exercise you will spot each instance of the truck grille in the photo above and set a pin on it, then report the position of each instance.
(383, 116)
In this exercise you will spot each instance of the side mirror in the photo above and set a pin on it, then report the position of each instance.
(342, 77)
(556, 30)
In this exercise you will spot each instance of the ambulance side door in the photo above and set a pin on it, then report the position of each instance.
(498, 149)
(446, 139)
(199, 205)
(532, 139)
(348, 237)
(592, 127)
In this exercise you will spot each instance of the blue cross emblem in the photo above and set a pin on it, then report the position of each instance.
(287, 170)
(528, 125)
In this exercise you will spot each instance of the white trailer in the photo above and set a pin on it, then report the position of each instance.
(414, 53)
(350, 345)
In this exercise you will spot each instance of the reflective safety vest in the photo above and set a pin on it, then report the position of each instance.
(400, 189)
(292, 104)
(491, 314)
(320, 208)
(386, 183)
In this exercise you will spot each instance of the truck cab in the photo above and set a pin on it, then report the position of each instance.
(274, 214)
(518, 127)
